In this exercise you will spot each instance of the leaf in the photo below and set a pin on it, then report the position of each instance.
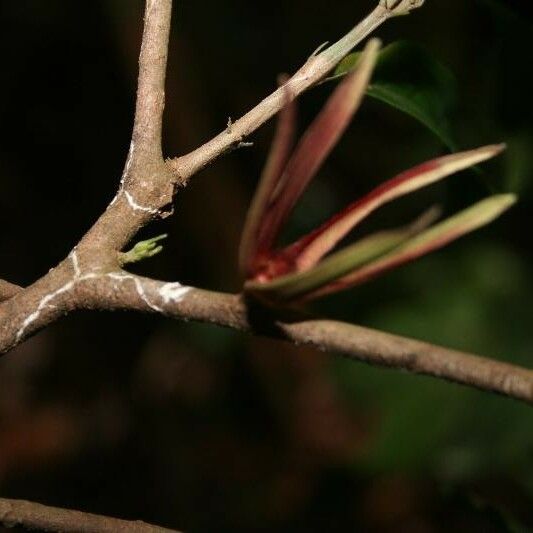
(315, 146)
(408, 78)
(310, 249)
(339, 264)
(425, 242)
(143, 250)
(278, 156)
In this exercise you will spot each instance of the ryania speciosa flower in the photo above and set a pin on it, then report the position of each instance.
(307, 269)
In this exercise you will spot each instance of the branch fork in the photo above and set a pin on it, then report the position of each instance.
(92, 276)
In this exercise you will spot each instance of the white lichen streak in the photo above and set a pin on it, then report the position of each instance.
(138, 287)
(128, 163)
(125, 173)
(115, 198)
(47, 300)
(75, 263)
(173, 292)
(136, 207)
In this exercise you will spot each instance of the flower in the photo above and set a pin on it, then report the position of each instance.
(304, 270)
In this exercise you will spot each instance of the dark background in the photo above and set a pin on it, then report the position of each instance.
(194, 427)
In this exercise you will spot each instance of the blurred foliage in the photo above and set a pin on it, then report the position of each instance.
(409, 79)
(204, 429)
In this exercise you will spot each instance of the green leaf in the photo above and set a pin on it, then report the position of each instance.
(411, 80)
(143, 250)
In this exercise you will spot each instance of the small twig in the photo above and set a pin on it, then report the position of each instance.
(33, 516)
(317, 66)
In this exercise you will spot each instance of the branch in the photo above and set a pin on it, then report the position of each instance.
(7, 290)
(124, 291)
(147, 185)
(151, 83)
(90, 277)
(42, 517)
(316, 67)
(145, 189)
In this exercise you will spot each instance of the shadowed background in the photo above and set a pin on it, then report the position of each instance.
(203, 429)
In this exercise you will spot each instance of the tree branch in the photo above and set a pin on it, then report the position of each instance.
(8, 290)
(151, 83)
(147, 185)
(146, 190)
(91, 278)
(316, 67)
(125, 291)
(120, 290)
(42, 517)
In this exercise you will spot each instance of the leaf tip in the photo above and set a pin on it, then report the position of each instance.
(462, 160)
(374, 45)
(491, 208)
(364, 67)
(496, 149)
(503, 202)
(370, 53)
(490, 151)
